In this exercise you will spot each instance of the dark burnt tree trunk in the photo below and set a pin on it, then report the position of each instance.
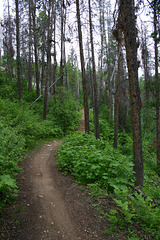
(96, 110)
(127, 11)
(85, 95)
(18, 50)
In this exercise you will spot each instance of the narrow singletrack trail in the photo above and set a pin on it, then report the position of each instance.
(51, 205)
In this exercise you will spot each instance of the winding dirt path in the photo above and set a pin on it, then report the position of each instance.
(52, 206)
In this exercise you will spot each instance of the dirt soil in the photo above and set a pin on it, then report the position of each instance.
(50, 206)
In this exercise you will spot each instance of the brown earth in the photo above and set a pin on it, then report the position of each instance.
(51, 206)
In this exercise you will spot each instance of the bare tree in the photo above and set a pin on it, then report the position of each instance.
(18, 50)
(30, 46)
(85, 95)
(35, 47)
(96, 110)
(155, 9)
(117, 95)
(127, 11)
(145, 60)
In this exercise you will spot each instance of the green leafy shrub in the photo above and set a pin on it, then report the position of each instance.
(125, 144)
(64, 113)
(90, 160)
(97, 164)
(20, 129)
(11, 148)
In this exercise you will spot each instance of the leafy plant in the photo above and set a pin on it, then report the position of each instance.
(90, 160)
(103, 169)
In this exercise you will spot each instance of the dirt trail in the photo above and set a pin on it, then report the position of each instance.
(82, 124)
(52, 206)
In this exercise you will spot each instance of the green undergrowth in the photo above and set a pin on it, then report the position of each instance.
(21, 129)
(106, 171)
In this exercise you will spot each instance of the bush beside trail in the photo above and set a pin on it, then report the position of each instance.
(21, 129)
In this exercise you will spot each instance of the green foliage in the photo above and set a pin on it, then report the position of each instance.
(11, 147)
(95, 163)
(134, 208)
(21, 128)
(63, 111)
(7, 86)
(105, 128)
(95, 190)
(125, 144)
(90, 160)
(27, 123)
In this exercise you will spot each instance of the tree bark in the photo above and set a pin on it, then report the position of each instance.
(35, 49)
(48, 73)
(54, 40)
(157, 87)
(62, 63)
(18, 50)
(129, 28)
(116, 115)
(85, 95)
(96, 110)
(145, 58)
(29, 46)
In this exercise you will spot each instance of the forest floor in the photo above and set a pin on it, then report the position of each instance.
(52, 206)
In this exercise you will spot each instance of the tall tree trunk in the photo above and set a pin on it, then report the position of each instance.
(50, 29)
(96, 110)
(10, 44)
(109, 69)
(116, 115)
(30, 45)
(85, 95)
(129, 28)
(18, 50)
(42, 67)
(35, 49)
(157, 87)
(145, 58)
(48, 73)
(54, 40)
(101, 16)
(62, 63)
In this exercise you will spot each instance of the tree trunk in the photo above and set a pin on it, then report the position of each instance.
(101, 19)
(129, 28)
(54, 42)
(35, 49)
(145, 58)
(62, 63)
(116, 115)
(48, 73)
(18, 50)
(157, 88)
(96, 110)
(10, 44)
(30, 45)
(85, 96)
